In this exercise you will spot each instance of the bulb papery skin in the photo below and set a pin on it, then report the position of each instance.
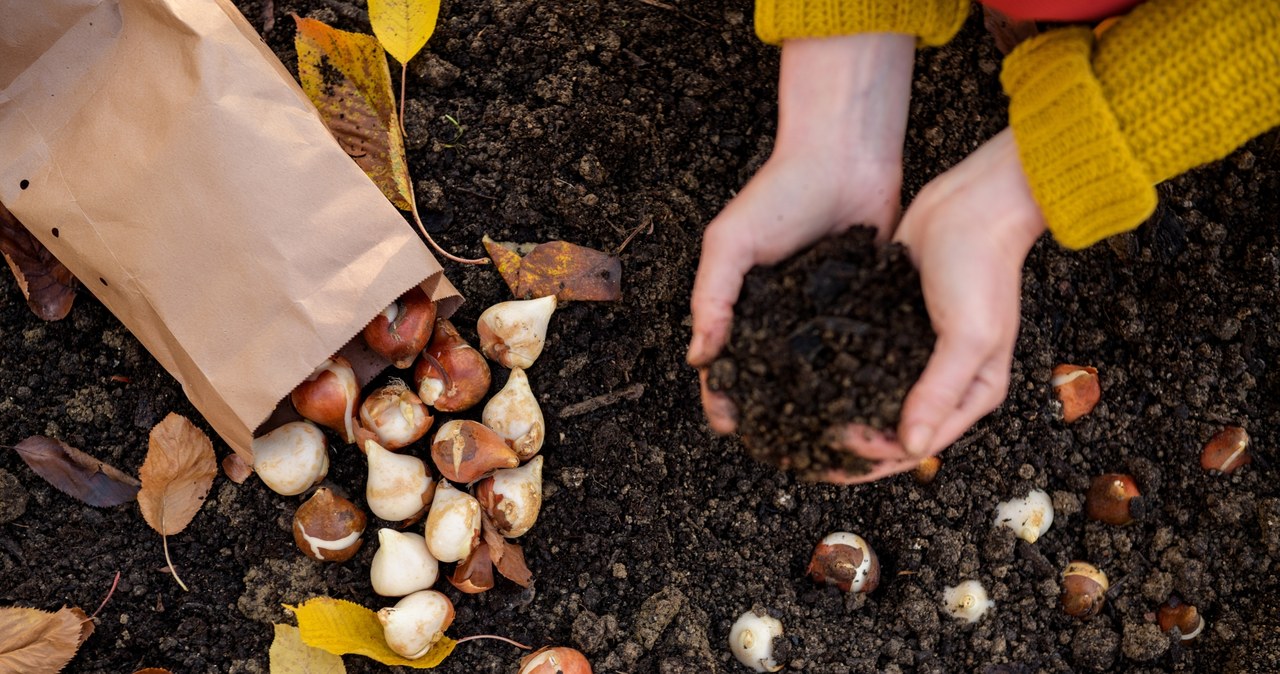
(555, 660)
(401, 331)
(967, 601)
(513, 333)
(453, 524)
(465, 451)
(291, 458)
(474, 574)
(395, 415)
(1029, 517)
(402, 565)
(330, 396)
(751, 640)
(514, 414)
(466, 376)
(416, 622)
(399, 486)
(846, 561)
(513, 497)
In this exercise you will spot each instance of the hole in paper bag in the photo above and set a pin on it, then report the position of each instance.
(24, 184)
(55, 232)
(104, 281)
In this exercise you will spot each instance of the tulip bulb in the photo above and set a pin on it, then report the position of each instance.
(402, 330)
(513, 333)
(416, 622)
(514, 414)
(475, 573)
(465, 451)
(555, 660)
(291, 458)
(751, 640)
(329, 397)
(513, 497)
(846, 561)
(399, 486)
(967, 601)
(1029, 517)
(453, 524)
(328, 527)
(402, 565)
(451, 376)
(395, 415)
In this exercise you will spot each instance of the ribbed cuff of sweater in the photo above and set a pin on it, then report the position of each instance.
(934, 22)
(1082, 172)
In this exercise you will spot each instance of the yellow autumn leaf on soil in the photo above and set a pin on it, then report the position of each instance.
(403, 26)
(566, 270)
(345, 75)
(342, 627)
(289, 655)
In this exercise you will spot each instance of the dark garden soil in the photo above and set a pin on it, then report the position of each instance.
(586, 120)
(834, 336)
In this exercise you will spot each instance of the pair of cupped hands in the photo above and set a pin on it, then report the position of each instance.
(837, 162)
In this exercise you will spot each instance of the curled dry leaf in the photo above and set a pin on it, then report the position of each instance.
(77, 474)
(560, 268)
(46, 283)
(38, 642)
(345, 75)
(511, 564)
(342, 627)
(236, 468)
(290, 655)
(176, 477)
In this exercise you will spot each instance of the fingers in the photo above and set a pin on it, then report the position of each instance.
(726, 259)
(986, 392)
(879, 470)
(721, 413)
(947, 378)
(869, 443)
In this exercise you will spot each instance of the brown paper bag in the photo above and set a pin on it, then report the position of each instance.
(163, 153)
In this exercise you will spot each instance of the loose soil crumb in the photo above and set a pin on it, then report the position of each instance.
(834, 336)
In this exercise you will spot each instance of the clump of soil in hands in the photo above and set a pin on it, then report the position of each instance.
(833, 336)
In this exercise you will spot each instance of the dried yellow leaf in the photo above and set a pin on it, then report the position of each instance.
(345, 75)
(342, 627)
(403, 26)
(289, 655)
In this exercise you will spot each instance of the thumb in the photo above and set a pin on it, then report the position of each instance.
(941, 389)
(727, 256)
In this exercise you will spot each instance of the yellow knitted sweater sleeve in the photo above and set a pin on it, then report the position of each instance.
(1173, 85)
(934, 22)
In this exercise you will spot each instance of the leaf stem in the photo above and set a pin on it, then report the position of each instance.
(106, 599)
(170, 561)
(422, 228)
(404, 69)
(476, 637)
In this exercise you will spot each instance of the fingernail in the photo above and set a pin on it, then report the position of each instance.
(916, 440)
(695, 349)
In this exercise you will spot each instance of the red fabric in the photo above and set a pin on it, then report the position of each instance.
(1061, 10)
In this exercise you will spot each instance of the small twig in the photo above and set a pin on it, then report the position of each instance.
(474, 193)
(632, 392)
(632, 235)
(423, 228)
(673, 8)
(106, 599)
(474, 637)
(172, 570)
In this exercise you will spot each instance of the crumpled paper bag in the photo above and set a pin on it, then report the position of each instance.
(163, 153)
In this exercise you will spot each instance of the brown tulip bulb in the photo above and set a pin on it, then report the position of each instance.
(1227, 451)
(555, 660)
(926, 470)
(330, 397)
(1184, 616)
(465, 451)
(846, 561)
(403, 329)
(1084, 589)
(1077, 389)
(395, 415)
(1113, 498)
(474, 574)
(451, 376)
(328, 527)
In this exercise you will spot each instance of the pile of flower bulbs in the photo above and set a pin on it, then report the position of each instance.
(490, 484)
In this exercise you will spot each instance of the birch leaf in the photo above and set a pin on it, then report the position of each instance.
(290, 655)
(342, 627)
(75, 473)
(345, 75)
(403, 26)
(176, 475)
(37, 642)
(45, 282)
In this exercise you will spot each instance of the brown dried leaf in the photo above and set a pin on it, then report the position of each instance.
(1008, 32)
(46, 283)
(86, 625)
(560, 268)
(77, 474)
(493, 538)
(236, 468)
(511, 564)
(176, 475)
(38, 642)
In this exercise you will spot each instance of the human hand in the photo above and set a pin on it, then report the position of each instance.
(968, 232)
(837, 161)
